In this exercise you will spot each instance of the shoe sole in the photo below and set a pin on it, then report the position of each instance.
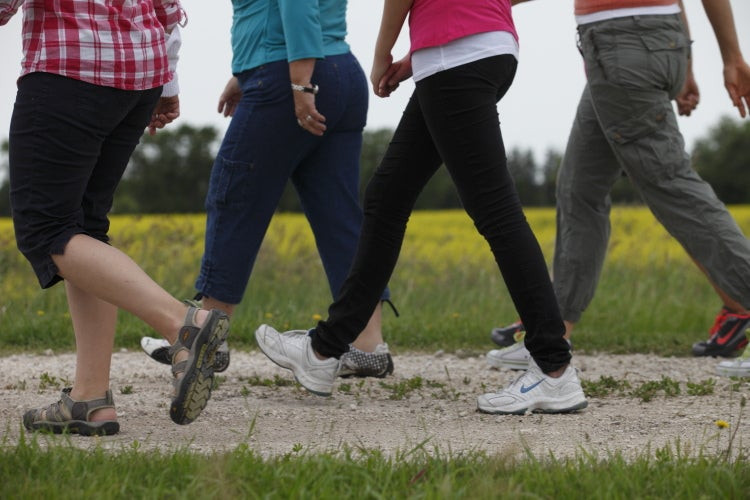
(287, 364)
(197, 381)
(732, 372)
(103, 428)
(717, 352)
(573, 404)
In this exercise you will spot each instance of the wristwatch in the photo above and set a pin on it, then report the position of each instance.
(313, 89)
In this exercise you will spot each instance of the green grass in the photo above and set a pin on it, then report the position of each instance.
(661, 308)
(33, 470)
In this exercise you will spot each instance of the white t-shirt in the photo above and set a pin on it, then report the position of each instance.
(431, 60)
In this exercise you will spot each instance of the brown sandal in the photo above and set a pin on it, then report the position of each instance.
(68, 415)
(194, 376)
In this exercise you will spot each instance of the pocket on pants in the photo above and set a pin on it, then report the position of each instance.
(650, 144)
(230, 181)
(638, 126)
(642, 58)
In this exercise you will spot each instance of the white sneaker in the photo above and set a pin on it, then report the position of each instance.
(515, 357)
(536, 391)
(738, 367)
(292, 350)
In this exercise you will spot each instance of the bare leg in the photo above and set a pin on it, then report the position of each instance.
(211, 303)
(372, 335)
(108, 274)
(728, 301)
(569, 325)
(99, 278)
(94, 325)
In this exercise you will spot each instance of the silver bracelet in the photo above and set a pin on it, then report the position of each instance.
(301, 88)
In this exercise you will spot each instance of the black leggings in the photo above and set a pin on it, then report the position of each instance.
(451, 118)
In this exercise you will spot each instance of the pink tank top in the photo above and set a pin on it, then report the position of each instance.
(437, 22)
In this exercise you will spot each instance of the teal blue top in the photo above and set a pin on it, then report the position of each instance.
(264, 31)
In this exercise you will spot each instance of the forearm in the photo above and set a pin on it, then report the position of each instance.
(301, 70)
(719, 14)
(394, 15)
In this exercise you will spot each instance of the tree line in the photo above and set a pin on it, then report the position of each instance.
(169, 172)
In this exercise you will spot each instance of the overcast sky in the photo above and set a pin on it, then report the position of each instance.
(536, 113)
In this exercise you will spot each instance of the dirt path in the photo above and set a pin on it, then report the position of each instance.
(278, 419)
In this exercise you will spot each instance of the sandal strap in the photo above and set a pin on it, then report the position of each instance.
(69, 409)
(186, 335)
(180, 367)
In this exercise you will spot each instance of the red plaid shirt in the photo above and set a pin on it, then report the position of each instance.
(113, 43)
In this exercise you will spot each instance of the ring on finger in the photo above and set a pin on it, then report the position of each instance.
(308, 118)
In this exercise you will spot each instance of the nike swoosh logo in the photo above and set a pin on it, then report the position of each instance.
(525, 389)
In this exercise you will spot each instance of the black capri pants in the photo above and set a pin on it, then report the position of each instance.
(70, 142)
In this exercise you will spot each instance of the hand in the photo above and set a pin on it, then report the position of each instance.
(380, 65)
(737, 83)
(230, 97)
(166, 111)
(688, 98)
(307, 114)
(393, 76)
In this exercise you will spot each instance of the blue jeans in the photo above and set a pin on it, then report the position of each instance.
(262, 149)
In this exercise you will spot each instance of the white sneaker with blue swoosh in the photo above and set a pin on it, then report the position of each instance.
(534, 391)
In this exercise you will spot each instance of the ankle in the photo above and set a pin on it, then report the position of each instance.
(557, 373)
(367, 345)
(319, 357)
(103, 414)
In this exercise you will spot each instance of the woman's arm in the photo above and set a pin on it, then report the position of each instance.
(687, 99)
(304, 44)
(381, 76)
(736, 70)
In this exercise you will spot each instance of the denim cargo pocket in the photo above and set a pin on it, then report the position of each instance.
(230, 182)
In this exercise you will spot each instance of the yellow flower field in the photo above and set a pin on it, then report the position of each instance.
(446, 282)
(438, 240)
